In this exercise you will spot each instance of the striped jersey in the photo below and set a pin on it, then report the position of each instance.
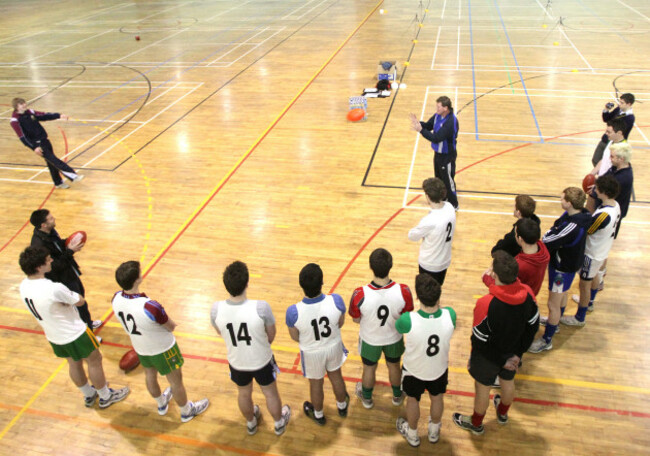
(601, 232)
(143, 319)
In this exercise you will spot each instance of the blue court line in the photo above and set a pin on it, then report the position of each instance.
(609, 27)
(471, 47)
(521, 76)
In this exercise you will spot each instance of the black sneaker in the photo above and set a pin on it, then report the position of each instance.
(501, 419)
(465, 422)
(308, 408)
(344, 411)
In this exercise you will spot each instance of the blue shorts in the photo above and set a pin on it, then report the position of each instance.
(559, 281)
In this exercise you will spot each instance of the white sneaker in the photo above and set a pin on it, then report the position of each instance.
(571, 320)
(62, 185)
(116, 396)
(99, 339)
(286, 416)
(367, 403)
(403, 427)
(257, 415)
(197, 408)
(78, 177)
(397, 400)
(575, 298)
(434, 432)
(96, 324)
(167, 396)
(540, 345)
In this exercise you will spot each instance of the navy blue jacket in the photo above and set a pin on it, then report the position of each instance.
(566, 240)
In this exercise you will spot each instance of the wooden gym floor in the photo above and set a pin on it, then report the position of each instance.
(221, 134)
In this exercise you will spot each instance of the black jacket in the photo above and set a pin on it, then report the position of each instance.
(65, 269)
(509, 243)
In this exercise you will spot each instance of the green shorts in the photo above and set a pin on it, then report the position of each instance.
(164, 362)
(80, 348)
(371, 354)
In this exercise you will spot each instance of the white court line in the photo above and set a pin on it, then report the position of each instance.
(310, 10)
(286, 16)
(444, 5)
(66, 46)
(636, 11)
(239, 45)
(10, 168)
(250, 50)
(415, 150)
(473, 211)
(135, 130)
(460, 7)
(435, 48)
(22, 36)
(159, 12)
(148, 46)
(458, 48)
(508, 46)
(3, 179)
(121, 5)
(227, 11)
(517, 89)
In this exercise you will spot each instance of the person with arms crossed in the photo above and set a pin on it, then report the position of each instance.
(505, 323)
(565, 242)
(600, 237)
(27, 125)
(152, 336)
(315, 323)
(524, 209)
(436, 230)
(442, 131)
(426, 360)
(376, 307)
(533, 258)
(248, 328)
(53, 305)
(65, 269)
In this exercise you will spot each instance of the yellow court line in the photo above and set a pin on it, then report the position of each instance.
(458, 370)
(250, 150)
(31, 400)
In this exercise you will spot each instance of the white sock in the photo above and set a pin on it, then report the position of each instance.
(412, 433)
(252, 424)
(435, 427)
(104, 393)
(187, 408)
(341, 405)
(87, 390)
(318, 413)
(160, 400)
(279, 423)
(69, 175)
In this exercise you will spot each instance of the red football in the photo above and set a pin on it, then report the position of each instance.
(588, 181)
(129, 361)
(78, 237)
(356, 115)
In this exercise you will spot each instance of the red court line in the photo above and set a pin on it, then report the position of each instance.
(354, 380)
(65, 140)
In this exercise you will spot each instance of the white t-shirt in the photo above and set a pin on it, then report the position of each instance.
(53, 305)
(143, 319)
(436, 229)
(243, 327)
(317, 320)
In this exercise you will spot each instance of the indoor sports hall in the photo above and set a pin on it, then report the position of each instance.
(211, 131)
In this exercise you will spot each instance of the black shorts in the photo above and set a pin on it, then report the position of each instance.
(485, 371)
(264, 376)
(414, 387)
(439, 276)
